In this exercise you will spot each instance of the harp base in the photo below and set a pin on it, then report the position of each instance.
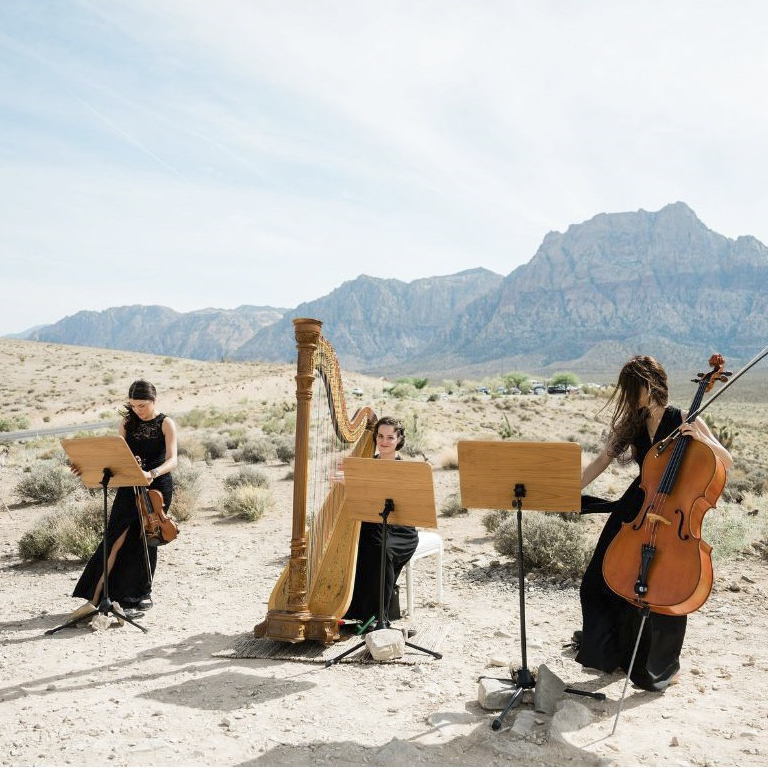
(297, 627)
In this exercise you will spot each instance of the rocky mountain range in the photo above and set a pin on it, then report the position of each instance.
(660, 283)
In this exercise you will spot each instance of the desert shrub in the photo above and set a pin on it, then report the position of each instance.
(47, 482)
(494, 518)
(246, 477)
(12, 423)
(39, 543)
(551, 546)
(215, 447)
(235, 438)
(254, 452)
(452, 506)
(192, 448)
(74, 531)
(448, 458)
(402, 390)
(280, 424)
(186, 489)
(246, 502)
(285, 450)
(727, 530)
(415, 436)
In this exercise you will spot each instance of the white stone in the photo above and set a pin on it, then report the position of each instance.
(385, 644)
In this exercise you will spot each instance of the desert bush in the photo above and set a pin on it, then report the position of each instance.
(12, 423)
(47, 482)
(448, 458)
(494, 518)
(551, 546)
(39, 543)
(192, 448)
(415, 436)
(246, 477)
(402, 390)
(727, 530)
(285, 450)
(186, 489)
(246, 502)
(452, 506)
(254, 452)
(215, 447)
(235, 438)
(74, 531)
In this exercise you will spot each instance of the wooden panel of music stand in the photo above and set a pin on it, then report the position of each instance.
(550, 472)
(92, 455)
(368, 483)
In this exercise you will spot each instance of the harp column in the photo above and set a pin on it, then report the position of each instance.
(307, 334)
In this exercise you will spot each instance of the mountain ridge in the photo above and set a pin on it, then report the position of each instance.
(658, 283)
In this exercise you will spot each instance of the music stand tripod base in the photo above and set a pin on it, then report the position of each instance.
(380, 624)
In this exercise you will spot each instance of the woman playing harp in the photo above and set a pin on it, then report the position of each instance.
(315, 589)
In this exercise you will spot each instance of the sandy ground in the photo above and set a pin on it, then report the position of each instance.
(118, 696)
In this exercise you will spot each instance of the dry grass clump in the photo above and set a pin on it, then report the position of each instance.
(452, 506)
(246, 502)
(46, 483)
(186, 489)
(75, 531)
(551, 545)
(731, 529)
(254, 452)
(448, 458)
(246, 477)
(215, 447)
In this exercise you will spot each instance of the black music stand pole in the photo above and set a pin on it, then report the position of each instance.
(551, 472)
(381, 623)
(408, 493)
(80, 453)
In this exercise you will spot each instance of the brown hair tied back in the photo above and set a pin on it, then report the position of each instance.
(396, 424)
(142, 390)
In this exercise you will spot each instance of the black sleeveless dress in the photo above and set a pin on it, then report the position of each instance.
(129, 581)
(402, 541)
(610, 623)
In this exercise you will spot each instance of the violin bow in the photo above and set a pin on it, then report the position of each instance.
(729, 379)
(137, 492)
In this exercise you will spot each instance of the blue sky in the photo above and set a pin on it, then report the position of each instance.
(195, 154)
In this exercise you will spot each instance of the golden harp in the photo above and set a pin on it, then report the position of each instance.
(315, 589)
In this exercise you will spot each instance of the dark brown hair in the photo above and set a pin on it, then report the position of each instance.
(391, 421)
(639, 373)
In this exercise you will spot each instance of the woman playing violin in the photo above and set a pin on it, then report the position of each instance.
(610, 624)
(151, 437)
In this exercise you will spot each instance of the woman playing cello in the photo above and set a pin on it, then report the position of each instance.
(610, 624)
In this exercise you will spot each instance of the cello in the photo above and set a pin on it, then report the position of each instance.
(658, 561)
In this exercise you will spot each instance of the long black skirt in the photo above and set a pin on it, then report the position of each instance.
(610, 624)
(129, 578)
(402, 541)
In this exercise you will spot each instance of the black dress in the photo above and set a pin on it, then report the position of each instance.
(610, 623)
(402, 541)
(129, 581)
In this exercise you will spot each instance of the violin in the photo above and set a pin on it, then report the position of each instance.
(159, 528)
(659, 561)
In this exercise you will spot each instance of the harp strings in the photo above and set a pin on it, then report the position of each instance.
(325, 455)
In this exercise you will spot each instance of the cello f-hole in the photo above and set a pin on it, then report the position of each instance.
(680, 535)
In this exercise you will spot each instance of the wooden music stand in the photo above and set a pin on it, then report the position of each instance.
(397, 492)
(499, 475)
(107, 462)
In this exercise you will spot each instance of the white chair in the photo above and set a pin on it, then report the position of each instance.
(430, 543)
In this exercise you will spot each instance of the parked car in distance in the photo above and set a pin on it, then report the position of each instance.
(357, 392)
(539, 389)
(483, 390)
(557, 389)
